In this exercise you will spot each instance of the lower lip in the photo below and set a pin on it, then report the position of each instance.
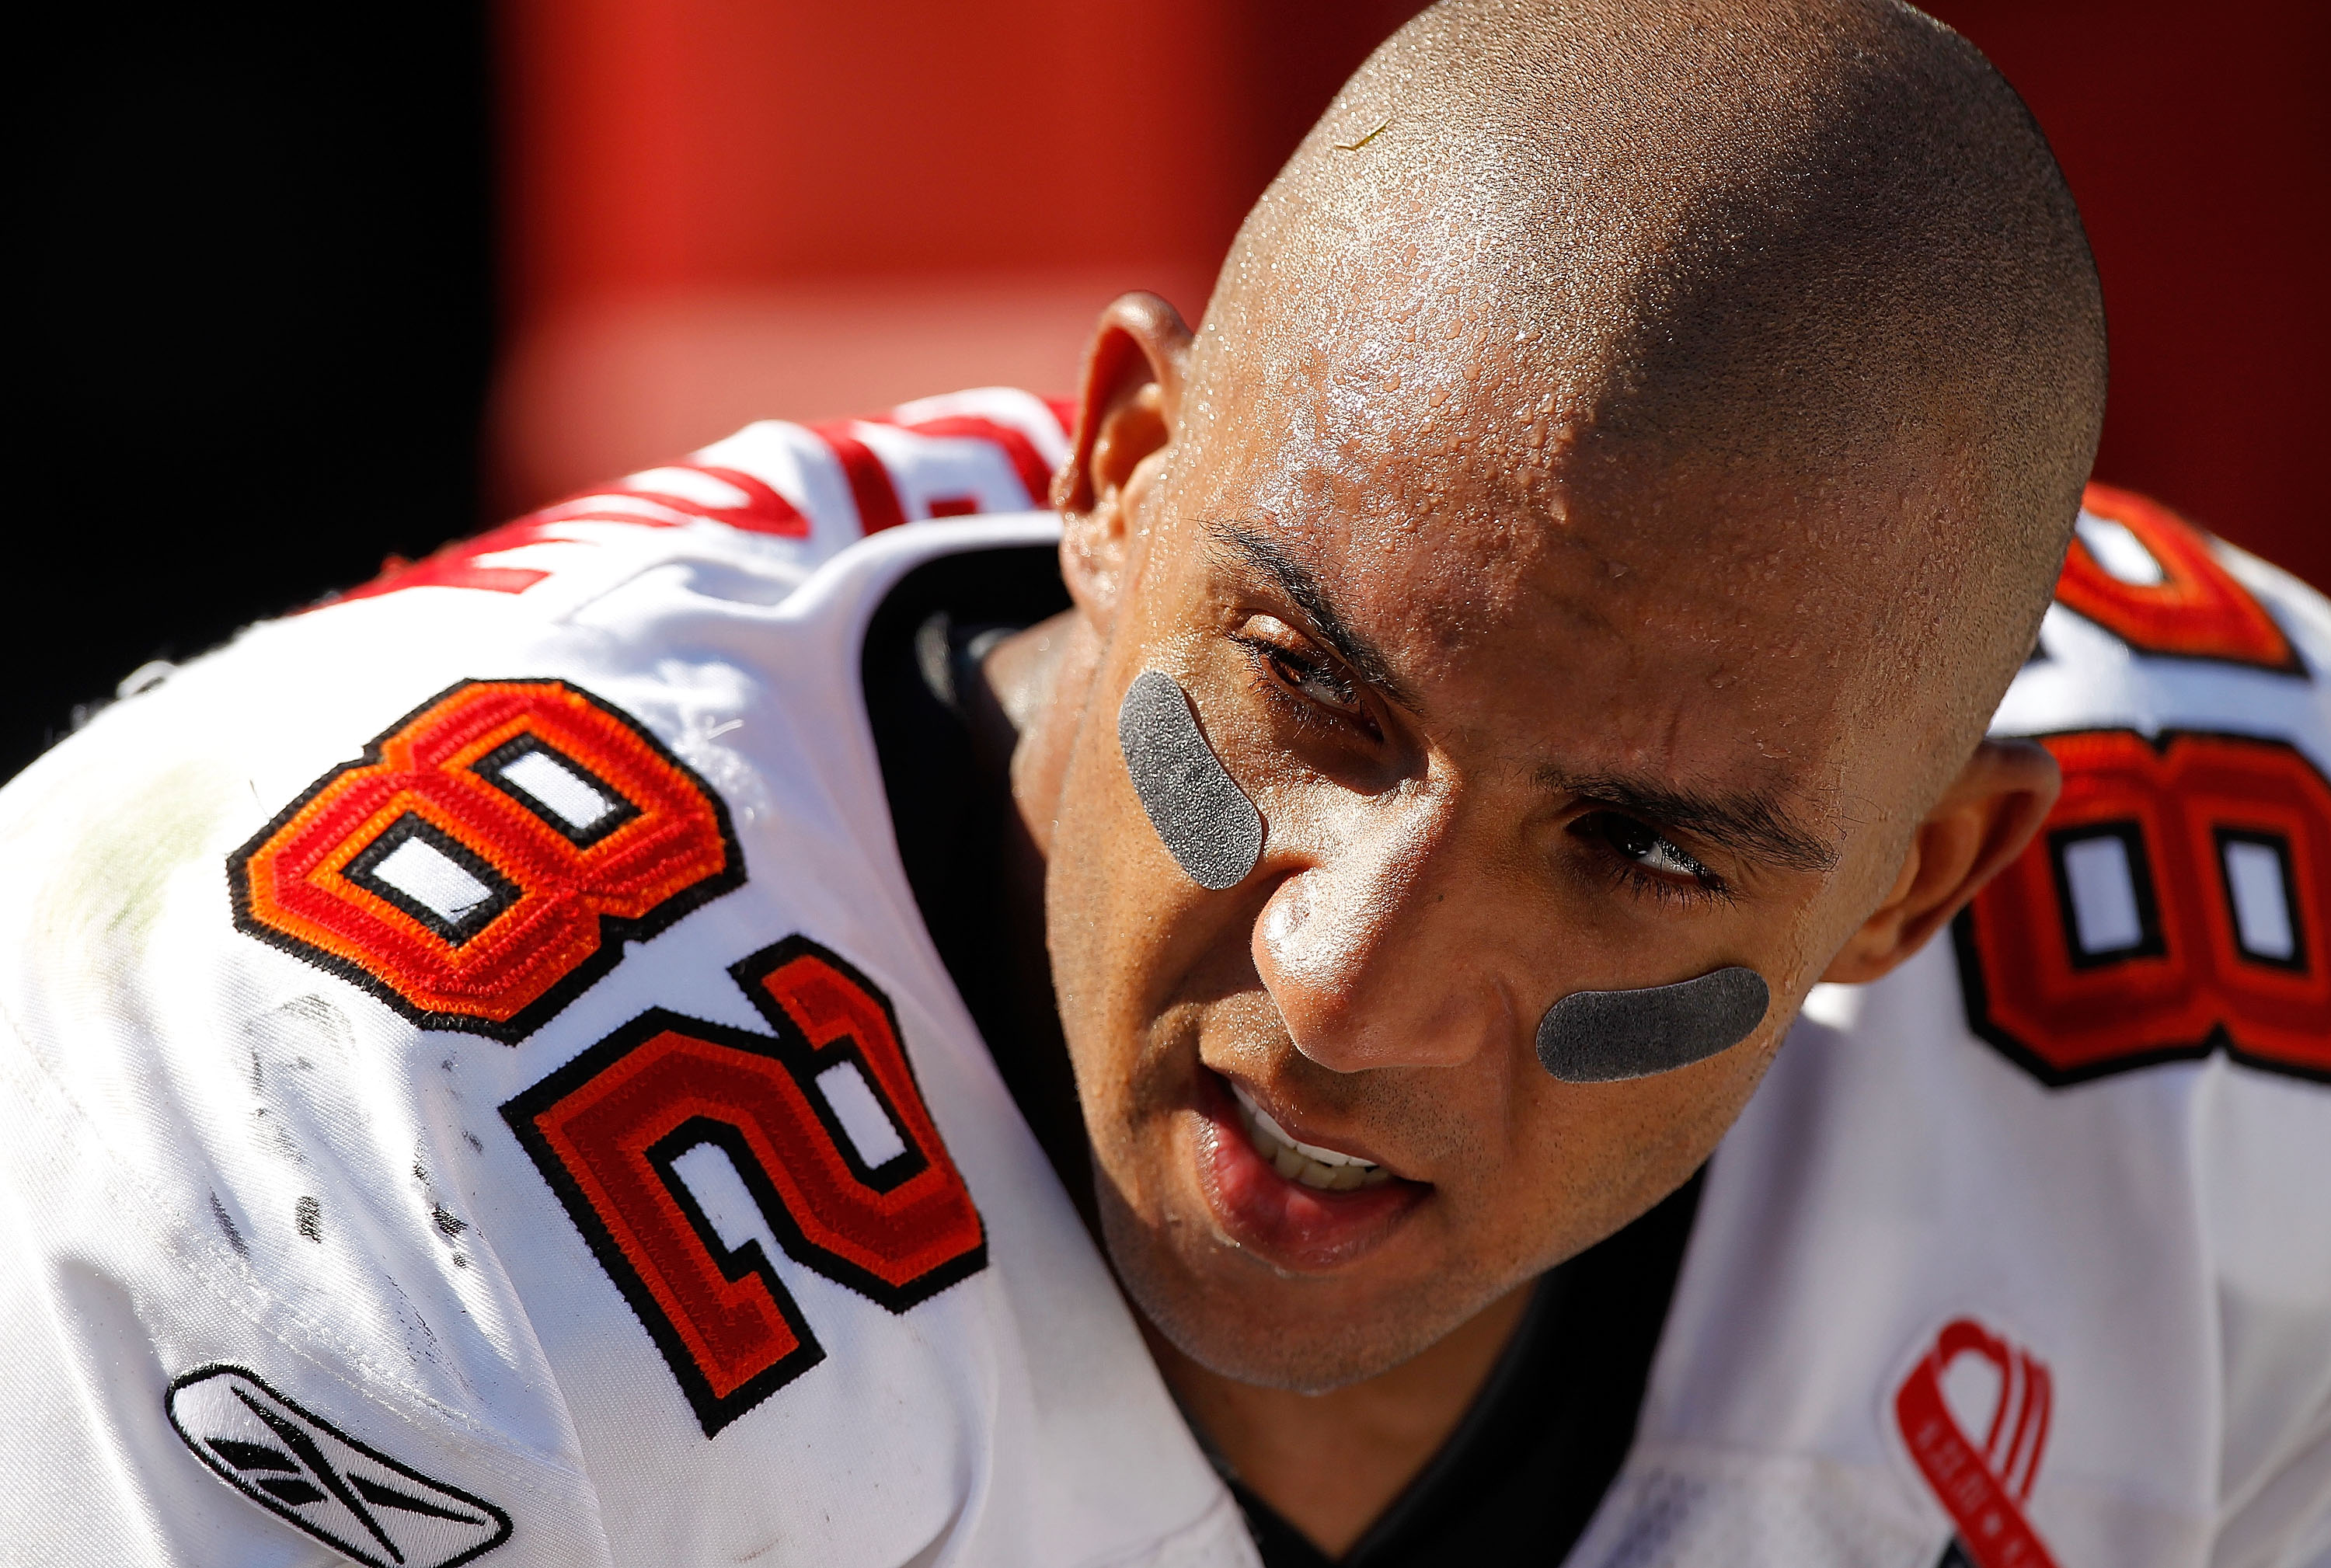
(1286, 1223)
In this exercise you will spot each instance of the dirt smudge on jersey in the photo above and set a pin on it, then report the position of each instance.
(227, 1227)
(128, 846)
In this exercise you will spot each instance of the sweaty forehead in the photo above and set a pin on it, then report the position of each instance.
(1459, 473)
(1576, 647)
(1397, 403)
(1412, 445)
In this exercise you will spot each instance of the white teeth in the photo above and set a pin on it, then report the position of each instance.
(1301, 1162)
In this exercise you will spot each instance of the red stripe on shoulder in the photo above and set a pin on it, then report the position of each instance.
(1035, 475)
(2191, 607)
(870, 481)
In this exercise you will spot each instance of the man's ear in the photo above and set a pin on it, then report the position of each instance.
(1981, 825)
(1129, 411)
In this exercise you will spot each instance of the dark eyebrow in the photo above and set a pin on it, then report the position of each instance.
(1751, 822)
(1302, 585)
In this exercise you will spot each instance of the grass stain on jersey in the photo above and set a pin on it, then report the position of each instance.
(127, 846)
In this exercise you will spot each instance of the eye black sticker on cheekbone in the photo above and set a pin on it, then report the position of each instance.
(1207, 824)
(302, 1468)
(1608, 1036)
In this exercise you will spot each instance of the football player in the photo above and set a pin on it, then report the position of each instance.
(738, 1019)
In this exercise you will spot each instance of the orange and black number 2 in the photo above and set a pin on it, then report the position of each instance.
(677, 1145)
(484, 860)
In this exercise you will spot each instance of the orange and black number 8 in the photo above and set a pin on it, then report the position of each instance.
(2174, 904)
(482, 863)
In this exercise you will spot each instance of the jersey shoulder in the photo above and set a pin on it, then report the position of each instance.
(2158, 626)
(482, 1026)
(2027, 1230)
(2176, 902)
(778, 496)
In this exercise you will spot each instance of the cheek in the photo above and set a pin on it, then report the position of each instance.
(1608, 1152)
(1824, 924)
(1084, 888)
(1586, 1137)
(1125, 927)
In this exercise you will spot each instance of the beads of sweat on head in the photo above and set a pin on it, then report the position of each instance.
(1214, 833)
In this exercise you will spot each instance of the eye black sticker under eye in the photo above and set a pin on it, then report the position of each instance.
(1604, 1036)
(1206, 822)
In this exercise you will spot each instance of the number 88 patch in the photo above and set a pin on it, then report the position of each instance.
(485, 859)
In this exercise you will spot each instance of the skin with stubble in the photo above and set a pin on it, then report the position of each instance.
(1624, 461)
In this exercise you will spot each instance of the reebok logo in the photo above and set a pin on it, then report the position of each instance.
(354, 1498)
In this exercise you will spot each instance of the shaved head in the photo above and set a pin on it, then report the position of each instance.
(1824, 242)
(1624, 461)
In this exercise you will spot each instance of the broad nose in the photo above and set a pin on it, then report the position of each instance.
(1373, 951)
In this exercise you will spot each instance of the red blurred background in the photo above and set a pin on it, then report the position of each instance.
(717, 210)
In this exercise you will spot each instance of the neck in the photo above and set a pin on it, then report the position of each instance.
(1029, 714)
(1331, 1463)
(1016, 745)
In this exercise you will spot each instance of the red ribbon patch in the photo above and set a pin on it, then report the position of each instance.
(1984, 1486)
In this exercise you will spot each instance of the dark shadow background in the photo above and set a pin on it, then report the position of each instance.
(274, 263)
(257, 326)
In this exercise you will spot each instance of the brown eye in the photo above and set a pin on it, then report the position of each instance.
(1634, 842)
(1317, 682)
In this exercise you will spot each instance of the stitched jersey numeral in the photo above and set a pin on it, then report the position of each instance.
(2147, 576)
(673, 1141)
(2174, 903)
(483, 862)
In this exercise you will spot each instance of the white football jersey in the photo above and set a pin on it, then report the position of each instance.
(478, 1086)
(2029, 1245)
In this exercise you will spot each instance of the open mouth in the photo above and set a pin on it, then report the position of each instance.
(1301, 1207)
(1326, 1169)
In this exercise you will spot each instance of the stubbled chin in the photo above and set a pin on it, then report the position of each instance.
(1293, 1227)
